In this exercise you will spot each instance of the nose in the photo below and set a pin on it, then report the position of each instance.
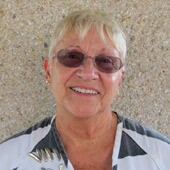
(87, 71)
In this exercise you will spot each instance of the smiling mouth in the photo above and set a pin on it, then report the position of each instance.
(84, 91)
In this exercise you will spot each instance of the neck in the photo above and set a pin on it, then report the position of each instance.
(78, 130)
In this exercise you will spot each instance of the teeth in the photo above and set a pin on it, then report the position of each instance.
(84, 90)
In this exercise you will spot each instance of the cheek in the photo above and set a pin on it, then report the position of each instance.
(58, 74)
(112, 85)
(57, 82)
(60, 77)
(114, 80)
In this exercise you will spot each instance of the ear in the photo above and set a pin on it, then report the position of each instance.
(47, 68)
(122, 77)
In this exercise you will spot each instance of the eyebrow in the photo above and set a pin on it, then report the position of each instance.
(75, 46)
(103, 49)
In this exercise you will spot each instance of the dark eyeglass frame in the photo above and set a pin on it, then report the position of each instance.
(63, 52)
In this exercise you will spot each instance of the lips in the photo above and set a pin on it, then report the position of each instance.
(84, 90)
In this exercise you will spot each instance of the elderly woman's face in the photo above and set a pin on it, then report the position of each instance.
(84, 91)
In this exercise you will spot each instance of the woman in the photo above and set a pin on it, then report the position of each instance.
(84, 71)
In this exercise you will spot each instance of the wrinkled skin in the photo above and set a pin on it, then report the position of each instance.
(62, 78)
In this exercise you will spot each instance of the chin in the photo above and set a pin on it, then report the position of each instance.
(83, 113)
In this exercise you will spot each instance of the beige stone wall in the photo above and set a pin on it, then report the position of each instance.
(25, 30)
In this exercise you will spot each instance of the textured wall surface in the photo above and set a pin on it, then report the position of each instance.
(25, 30)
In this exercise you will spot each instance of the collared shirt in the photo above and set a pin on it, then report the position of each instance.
(40, 148)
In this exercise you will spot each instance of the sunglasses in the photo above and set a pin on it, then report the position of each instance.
(73, 58)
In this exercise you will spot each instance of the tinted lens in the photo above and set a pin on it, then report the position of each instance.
(108, 64)
(74, 58)
(70, 58)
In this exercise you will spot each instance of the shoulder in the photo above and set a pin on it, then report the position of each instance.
(144, 141)
(131, 126)
(16, 147)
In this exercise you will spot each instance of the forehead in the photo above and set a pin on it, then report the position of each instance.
(92, 42)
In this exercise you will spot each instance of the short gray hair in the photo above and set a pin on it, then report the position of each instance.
(81, 21)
